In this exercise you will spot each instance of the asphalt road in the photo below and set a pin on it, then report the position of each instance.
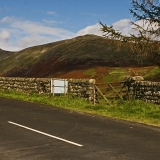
(30, 131)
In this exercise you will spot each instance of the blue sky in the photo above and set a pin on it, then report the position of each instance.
(25, 23)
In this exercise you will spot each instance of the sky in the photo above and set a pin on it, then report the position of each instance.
(26, 23)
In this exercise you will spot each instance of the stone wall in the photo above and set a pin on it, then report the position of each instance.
(83, 88)
(36, 85)
(145, 90)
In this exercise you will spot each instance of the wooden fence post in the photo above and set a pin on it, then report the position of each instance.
(94, 92)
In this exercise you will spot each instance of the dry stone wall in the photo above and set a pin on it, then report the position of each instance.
(83, 88)
(145, 90)
(36, 85)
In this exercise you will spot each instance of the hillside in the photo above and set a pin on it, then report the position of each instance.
(87, 56)
(4, 54)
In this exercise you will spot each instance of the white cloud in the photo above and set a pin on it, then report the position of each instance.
(121, 24)
(33, 40)
(19, 34)
(51, 13)
(52, 22)
(8, 46)
(5, 20)
(5, 41)
(94, 29)
(127, 28)
(37, 28)
(147, 25)
(4, 35)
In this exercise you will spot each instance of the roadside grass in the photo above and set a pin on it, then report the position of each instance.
(135, 111)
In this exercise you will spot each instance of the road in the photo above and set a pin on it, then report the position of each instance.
(30, 131)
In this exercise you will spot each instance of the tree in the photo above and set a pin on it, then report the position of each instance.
(146, 43)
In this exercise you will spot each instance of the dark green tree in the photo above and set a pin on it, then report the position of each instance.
(146, 43)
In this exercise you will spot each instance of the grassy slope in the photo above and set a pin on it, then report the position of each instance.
(25, 58)
(82, 57)
(4, 54)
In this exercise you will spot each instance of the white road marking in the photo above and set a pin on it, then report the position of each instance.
(64, 140)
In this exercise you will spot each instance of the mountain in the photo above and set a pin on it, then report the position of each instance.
(86, 56)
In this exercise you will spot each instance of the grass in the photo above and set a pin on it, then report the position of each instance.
(136, 111)
(90, 72)
(155, 71)
(116, 74)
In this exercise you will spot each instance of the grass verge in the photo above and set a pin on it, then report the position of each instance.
(135, 111)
